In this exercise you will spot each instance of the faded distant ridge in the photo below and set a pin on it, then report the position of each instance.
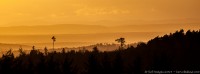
(6, 47)
(45, 40)
(87, 29)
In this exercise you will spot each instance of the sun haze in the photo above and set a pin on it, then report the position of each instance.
(102, 20)
(99, 12)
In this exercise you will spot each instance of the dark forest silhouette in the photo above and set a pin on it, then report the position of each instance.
(176, 51)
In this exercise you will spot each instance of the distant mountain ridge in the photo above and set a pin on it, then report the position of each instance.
(80, 38)
(6, 47)
(88, 29)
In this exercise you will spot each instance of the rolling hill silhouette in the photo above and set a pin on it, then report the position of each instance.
(173, 53)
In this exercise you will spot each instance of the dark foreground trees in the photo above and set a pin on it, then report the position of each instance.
(175, 52)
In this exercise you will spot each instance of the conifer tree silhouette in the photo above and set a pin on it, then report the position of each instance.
(121, 41)
(54, 39)
(45, 51)
(22, 53)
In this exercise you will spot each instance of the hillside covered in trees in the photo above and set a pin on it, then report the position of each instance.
(174, 52)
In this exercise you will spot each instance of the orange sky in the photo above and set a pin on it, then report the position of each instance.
(94, 20)
(98, 12)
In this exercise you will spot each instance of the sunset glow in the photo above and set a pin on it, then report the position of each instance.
(99, 36)
(98, 12)
(96, 17)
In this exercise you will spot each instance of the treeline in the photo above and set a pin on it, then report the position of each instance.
(176, 51)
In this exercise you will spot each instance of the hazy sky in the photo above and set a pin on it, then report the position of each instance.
(44, 12)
